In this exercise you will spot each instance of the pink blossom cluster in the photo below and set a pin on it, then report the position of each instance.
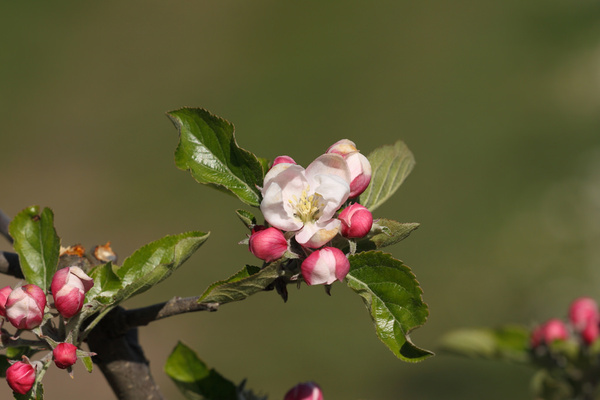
(26, 308)
(582, 325)
(309, 207)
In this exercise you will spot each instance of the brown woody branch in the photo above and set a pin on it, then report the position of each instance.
(9, 264)
(4, 221)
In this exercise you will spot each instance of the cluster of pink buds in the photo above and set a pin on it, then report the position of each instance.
(311, 206)
(304, 391)
(583, 325)
(25, 308)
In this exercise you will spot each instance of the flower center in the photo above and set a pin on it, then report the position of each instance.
(307, 208)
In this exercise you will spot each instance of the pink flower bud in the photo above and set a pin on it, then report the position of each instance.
(69, 286)
(304, 391)
(356, 221)
(268, 244)
(552, 330)
(25, 306)
(359, 165)
(20, 377)
(583, 312)
(283, 160)
(64, 355)
(590, 333)
(4, 292)
(325, 266)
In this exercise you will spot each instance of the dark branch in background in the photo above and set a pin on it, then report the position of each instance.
(4, 221)
(9, 264)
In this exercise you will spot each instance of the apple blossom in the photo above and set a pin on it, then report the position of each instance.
(25, 306)
(356, 221)
(268, 244)
(548, 332)
(305, 201)
(359, 165)
(64, 355)
(325, 266)
(4, 292)
(20, 377)
(69, 286)
(304, 391)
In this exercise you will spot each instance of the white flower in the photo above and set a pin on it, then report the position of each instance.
(305, 200)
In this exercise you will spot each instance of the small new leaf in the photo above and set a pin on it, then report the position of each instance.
(509, 343)
(243, 284)
(194, 379)
(393, 297)
(207, 148)
(37, 244)
(246, 217)
(386, 232)
(390, 165)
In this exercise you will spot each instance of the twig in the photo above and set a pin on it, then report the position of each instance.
(175, 306)
(4, 221)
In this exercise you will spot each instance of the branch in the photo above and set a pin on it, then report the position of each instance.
(121, 359)
(4, 221)
(9, 264)
(175, 306)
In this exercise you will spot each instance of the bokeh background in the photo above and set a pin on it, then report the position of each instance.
(499, 102)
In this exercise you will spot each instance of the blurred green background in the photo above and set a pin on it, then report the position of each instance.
(499, 102)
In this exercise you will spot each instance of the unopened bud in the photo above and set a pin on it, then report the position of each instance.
(583, 312)
(20, 377)
(25, 306)
(304, 391)
(283, 160)
(4, 292)
(356, 221)
(268, 244)
(64, 355)
(69, 286)
(359, 165)
(325, 266)
(552, 330)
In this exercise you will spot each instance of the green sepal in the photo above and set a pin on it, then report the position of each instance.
(208, 149)
(393, 297)
(243, 284)
(38, 245)
(194, 379)
(390, 165)
(88, 364)
(509, 343)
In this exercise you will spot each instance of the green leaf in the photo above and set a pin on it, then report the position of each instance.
(207, 148)
(393, 297)
(510, 343)
(248, 281)
(247, 218)
(386, 232)
(145, 268)
(390, 165)
(106, 284)
(194, 379)
(37, 244)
